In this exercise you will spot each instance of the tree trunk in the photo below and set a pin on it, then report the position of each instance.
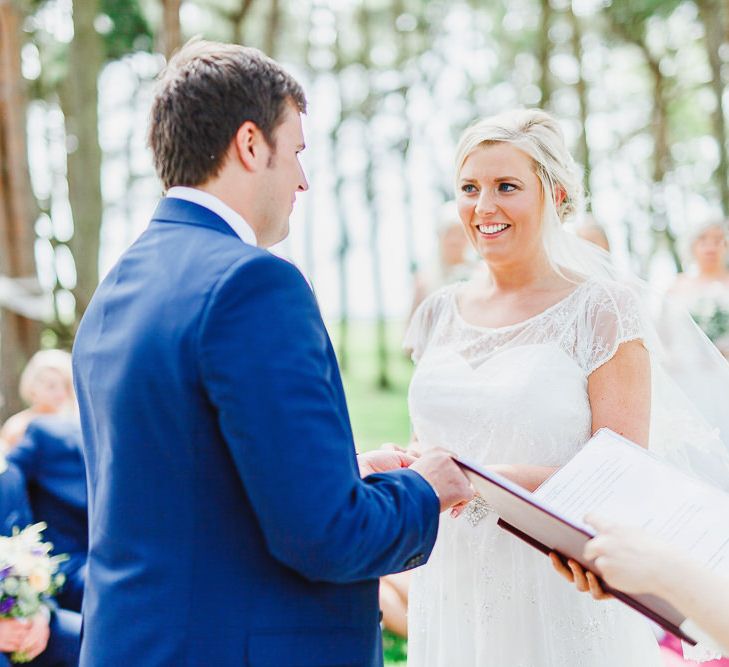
(273, 26)
(581, 86)
(661, 152)
(368, 111)
(238, 20)
(710, 13)
(170, 35)
(659, 117)
(19, 336)
(398, 8)
(543, 52)
(342, 251)
(383, 375)
(79, 101)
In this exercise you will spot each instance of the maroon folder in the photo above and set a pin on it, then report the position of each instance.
(525, 516)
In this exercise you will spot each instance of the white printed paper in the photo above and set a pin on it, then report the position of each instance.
(613, 478)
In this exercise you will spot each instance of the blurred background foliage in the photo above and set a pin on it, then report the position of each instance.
(640, 86)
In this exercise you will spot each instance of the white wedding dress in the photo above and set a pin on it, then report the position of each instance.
(514, 394)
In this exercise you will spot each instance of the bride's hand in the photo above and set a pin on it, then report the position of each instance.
(584, 580)
(456, 510)
(511, 472)
(503, 469)
(413, 448)
(528, 477)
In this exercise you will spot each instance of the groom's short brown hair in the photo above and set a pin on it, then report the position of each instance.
(206, 92)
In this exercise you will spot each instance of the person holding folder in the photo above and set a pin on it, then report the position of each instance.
(631, 560)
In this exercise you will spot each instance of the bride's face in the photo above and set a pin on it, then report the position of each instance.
(500, 204)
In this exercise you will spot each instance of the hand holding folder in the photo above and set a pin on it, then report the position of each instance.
(616, 479)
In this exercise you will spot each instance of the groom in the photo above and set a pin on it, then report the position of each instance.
(229, 523)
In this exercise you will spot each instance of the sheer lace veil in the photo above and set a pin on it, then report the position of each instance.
(689, 376)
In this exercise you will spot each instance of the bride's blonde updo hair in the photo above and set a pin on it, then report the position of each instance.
(537, 134)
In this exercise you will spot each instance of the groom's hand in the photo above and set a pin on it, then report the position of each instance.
(381, 460)
(443, 474)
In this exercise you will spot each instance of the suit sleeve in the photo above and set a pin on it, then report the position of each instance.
(264, 360)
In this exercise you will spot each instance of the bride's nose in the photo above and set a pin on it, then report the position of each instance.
(486, 203)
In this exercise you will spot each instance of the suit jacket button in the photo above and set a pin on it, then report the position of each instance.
(414, 561)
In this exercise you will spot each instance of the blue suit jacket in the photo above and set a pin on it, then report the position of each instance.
(228, 521)
(50, 456)
(14, 504)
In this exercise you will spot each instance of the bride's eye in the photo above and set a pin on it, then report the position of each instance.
(506, 187)
(468, 188)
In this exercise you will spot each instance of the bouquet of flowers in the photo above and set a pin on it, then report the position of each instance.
(28, 575)
(712, 315)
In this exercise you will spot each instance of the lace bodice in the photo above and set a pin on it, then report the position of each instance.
(513, 394)
(517, 393)
(587, 325)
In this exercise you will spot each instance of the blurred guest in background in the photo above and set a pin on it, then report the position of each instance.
(455, 260)
(704, 288)
(46, 387)
(394, 602)
(50, 457)
(591, 231)
(48, 639)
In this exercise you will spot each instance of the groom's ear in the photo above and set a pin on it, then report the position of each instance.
(251, 146)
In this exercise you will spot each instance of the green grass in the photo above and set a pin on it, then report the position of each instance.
(377, 415)
(395, 648)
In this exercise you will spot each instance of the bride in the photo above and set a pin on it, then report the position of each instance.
(516, 369)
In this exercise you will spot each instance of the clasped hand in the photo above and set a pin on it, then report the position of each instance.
(28, 636)
(436, 466)
(383, 460)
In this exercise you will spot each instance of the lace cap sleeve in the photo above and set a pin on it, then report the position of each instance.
(612, 316)
(423, 322)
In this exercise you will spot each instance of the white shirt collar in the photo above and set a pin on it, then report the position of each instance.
(212, 203)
